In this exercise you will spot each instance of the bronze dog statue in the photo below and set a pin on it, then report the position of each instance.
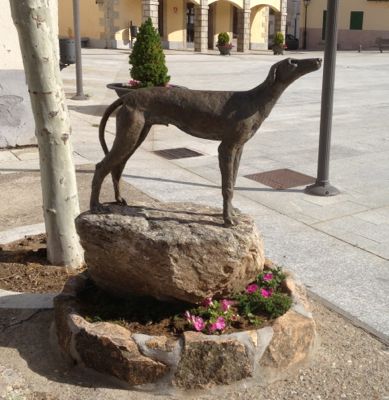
(231, 117)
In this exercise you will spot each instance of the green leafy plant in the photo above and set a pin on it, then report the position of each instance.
(223, 39)
(147, 58)
(212, 316)
(263, 297)
(278, 39)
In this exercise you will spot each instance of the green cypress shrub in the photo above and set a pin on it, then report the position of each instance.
(223, 39)
(147, 58)
(279, 39)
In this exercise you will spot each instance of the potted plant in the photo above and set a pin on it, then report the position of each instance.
(278, 43)
(223, 43)
(147, 60)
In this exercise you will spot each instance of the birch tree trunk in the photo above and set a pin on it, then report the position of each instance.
(33, 20)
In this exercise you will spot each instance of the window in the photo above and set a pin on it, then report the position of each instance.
(323, 29)
(356, 20)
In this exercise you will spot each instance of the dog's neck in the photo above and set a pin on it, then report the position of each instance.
(267, 93)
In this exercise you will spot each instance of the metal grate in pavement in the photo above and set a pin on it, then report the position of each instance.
(180, 152)
(282, 178)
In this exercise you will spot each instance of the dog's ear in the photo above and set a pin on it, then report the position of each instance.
(272, 76)
(292, 65)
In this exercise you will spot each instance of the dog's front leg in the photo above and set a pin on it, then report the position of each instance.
(227, 154)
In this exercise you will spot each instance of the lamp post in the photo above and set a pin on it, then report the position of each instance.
(77, 38)
(306, 4)
(322, 186)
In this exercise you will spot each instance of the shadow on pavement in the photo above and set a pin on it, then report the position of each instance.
(31, 333)
(95, 110)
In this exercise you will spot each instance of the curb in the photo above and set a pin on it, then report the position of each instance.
(20, 232)
(16, 300)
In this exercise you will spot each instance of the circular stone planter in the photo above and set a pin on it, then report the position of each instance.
(193, 360)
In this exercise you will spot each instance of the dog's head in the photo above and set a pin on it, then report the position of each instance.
(290, 69)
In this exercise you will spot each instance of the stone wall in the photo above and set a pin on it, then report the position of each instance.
(16, 121)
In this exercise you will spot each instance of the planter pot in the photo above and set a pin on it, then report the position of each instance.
(191, 360)
(122, 89)
(225, 50)
(278, 50)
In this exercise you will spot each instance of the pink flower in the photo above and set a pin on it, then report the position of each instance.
(207, 302)
(266, 292)
(267, 277)
(252, 288)
(133, 83)
(226, 304)
(198, 324)
(188, 316)
(219, 325)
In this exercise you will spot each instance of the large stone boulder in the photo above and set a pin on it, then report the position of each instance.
(173, 251)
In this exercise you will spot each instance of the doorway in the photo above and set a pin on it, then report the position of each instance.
(211, 13)
(190, 18)
(160, 19)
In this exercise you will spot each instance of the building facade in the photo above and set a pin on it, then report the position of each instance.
(17, 126)
(293, 18)
(182, 24)
(360, 23)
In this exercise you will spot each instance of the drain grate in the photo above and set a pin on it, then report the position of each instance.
(282, 178)
(180, 152)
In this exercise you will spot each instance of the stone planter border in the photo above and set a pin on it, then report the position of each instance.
(194, 360)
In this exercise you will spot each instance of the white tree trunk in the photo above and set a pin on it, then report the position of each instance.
(33, 20)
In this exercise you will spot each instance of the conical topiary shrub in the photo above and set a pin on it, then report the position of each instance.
(147, 58)
(278, 43)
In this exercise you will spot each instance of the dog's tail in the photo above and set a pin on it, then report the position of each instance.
(111, 108)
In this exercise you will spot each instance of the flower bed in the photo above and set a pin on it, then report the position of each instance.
(263, 300)
(144, 351)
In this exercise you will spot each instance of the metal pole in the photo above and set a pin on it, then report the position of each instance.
(77, 38)
(322, 186)
(305, 26)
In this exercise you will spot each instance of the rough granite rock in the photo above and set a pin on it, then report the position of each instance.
(209, 360)
(109, 348)
(292, 342)
(178, 250)
(64, 306)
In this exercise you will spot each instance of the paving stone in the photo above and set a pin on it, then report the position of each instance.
(7, 155)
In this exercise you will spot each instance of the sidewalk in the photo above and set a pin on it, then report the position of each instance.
(338, 246)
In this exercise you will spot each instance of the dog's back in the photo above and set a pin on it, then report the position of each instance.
(205, 114)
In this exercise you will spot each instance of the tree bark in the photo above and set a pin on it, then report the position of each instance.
(33, 20)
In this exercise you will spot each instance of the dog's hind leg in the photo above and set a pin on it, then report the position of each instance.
(103, 168)
(129, 127)
(118, 169)
(227, 154)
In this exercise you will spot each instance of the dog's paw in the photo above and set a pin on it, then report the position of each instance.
(121, 201)
(97, 208)
(228, 222)
(236, 211)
